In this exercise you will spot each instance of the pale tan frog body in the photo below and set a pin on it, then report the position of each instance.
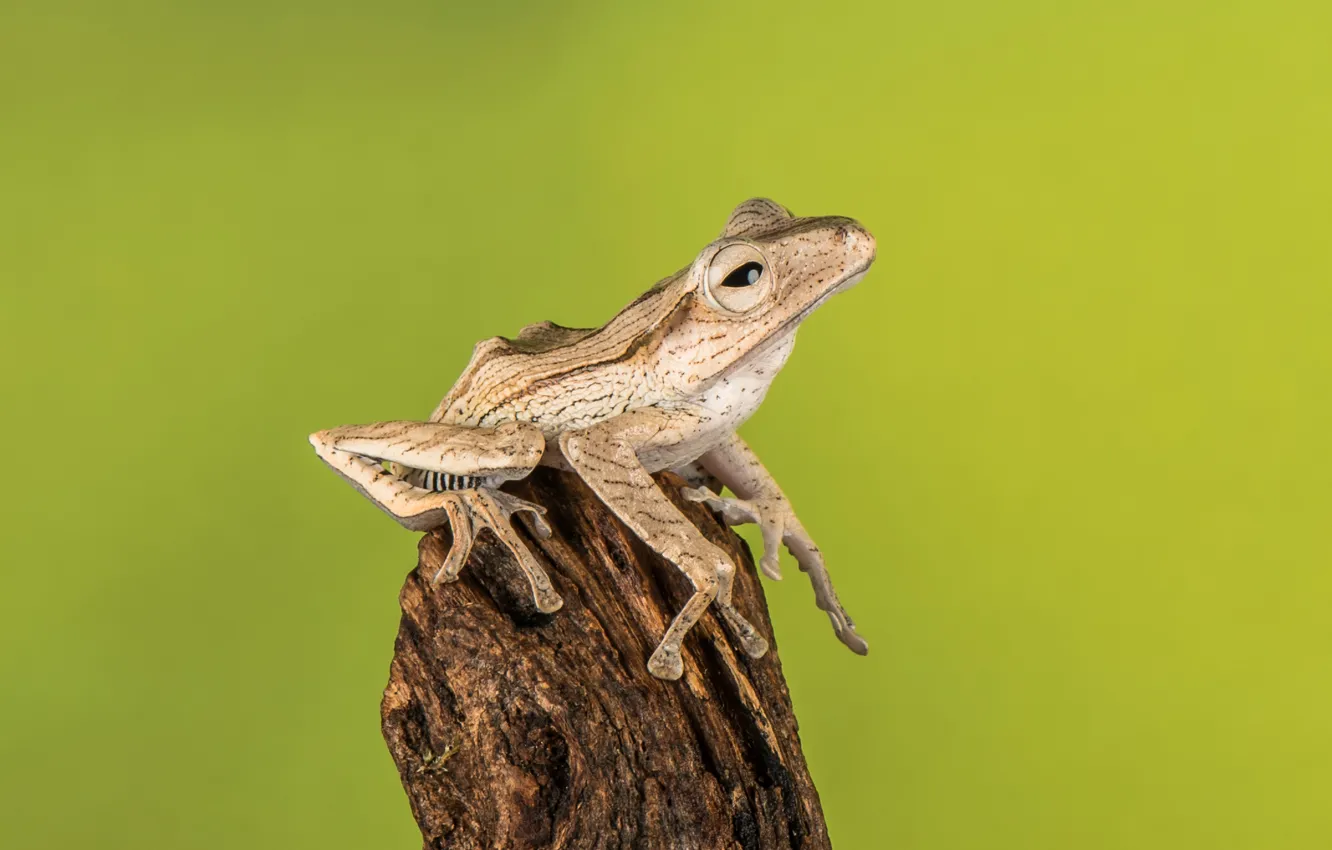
(663, 385)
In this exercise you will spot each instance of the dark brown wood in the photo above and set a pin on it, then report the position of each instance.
(515, 729)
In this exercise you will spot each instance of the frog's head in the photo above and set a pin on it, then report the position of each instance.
(766, 273)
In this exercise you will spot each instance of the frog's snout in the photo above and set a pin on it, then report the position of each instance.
(856, 240)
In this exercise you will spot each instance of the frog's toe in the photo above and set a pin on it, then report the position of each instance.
(666, 663)
(510, 504)
(460, 523)
(751, 642)
(847, 635)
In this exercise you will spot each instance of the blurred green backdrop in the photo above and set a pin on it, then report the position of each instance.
(1066, 448)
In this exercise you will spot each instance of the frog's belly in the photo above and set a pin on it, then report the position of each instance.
(722, 409)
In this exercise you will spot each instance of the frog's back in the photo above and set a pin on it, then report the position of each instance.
(501, 361)
(554, 376)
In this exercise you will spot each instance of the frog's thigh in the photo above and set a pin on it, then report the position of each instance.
(510, 450)
(413, 508)
(605, 456)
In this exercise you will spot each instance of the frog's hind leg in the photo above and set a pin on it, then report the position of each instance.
(440, 474)
(508, 451)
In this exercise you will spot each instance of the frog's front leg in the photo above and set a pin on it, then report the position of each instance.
(760, 500)
(441, 474)
(606, 456)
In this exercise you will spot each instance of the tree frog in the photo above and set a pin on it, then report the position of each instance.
(662, 386)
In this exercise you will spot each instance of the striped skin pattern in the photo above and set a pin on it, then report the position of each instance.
(440, 482)
(662, 385)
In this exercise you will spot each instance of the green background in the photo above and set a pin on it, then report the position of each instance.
(1066, 448)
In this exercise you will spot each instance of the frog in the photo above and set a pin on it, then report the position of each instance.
(663, 386)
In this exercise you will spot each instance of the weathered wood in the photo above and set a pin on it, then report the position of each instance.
(515, 729)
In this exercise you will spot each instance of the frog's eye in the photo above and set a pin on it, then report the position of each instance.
(738, 278)
(746, 275)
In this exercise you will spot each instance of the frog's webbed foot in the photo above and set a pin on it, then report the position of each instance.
(779, 524)
(440, 474)
(494, 509)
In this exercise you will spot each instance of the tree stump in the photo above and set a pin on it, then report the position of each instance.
(516, 729)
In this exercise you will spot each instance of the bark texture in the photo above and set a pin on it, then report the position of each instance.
(515, 729)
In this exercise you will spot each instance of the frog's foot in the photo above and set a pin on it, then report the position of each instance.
(494, 509)
(770, 519)
(469, 511)
(779, 524)
(416, 492)
(666, 662)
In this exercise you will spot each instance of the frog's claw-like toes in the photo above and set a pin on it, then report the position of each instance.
(495, 510)
(511, 505)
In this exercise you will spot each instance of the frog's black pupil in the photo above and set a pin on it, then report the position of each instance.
(746, 275)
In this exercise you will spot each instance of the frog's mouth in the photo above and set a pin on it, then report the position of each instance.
(855, 276)
(788, 327)
(852, 279)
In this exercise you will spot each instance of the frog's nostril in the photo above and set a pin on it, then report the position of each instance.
(856, 239)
